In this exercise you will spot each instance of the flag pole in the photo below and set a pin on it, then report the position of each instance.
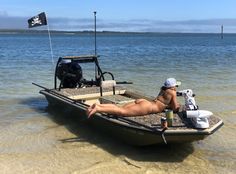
(40, 20)
(95, 42)
(50, 43)
(95, 34)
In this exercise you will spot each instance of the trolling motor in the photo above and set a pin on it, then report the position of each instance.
(198, 117)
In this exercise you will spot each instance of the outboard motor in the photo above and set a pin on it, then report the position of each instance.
(198, 117)
(70, 73)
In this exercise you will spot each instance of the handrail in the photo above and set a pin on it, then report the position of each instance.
(78, 57)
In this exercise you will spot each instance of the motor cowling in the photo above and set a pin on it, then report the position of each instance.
(70, 73)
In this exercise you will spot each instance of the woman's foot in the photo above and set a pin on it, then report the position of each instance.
(92, 110)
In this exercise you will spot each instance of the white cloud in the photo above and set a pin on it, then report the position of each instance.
(142, 25)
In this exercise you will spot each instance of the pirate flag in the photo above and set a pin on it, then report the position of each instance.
(38, 20)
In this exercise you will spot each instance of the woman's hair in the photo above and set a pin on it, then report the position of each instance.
(164, 88)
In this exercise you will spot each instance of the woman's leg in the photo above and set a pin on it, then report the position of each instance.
(106, 108)
(140, 107)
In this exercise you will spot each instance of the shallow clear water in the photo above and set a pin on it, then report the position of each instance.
(35, 139)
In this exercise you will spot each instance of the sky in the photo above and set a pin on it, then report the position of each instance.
(201, 16)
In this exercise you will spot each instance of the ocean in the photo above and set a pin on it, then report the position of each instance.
(35, 139)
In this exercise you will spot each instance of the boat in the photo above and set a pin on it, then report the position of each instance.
(73, 90)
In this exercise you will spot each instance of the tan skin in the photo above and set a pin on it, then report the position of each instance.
(166, 99)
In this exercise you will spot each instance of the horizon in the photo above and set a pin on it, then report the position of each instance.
(170, 16)
(42, 31)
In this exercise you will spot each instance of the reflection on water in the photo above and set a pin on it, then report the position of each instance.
(84, 132)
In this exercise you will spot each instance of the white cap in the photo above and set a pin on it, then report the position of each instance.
(171, 82)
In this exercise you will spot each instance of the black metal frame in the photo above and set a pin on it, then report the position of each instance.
(99, 75)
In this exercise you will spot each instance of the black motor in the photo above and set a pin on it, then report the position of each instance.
(70, 74)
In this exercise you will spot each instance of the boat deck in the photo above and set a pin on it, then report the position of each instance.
(86, 93)
(152, 120)
(179, 122)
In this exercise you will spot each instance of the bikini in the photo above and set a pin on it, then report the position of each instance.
(157, 99)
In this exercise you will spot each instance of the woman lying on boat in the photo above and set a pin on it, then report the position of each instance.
(166, 98)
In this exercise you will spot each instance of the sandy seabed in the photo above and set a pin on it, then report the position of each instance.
(42, 142)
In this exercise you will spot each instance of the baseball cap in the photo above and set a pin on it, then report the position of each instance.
(171, 82)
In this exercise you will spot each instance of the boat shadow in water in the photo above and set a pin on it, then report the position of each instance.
(80, 126)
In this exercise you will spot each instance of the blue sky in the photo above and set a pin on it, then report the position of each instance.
(124, 15)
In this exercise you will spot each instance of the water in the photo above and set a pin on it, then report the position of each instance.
(35, 139)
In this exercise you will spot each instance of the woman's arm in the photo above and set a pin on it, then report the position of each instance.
(174, 103)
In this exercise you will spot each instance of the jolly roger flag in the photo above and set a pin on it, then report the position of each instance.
(38, 20)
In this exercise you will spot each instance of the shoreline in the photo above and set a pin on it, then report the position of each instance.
(35, 31)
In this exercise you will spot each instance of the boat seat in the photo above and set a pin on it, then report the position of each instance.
(107, 84)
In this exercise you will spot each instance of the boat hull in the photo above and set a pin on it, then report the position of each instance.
(130, 133)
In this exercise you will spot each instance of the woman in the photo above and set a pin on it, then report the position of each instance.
(166, 99)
